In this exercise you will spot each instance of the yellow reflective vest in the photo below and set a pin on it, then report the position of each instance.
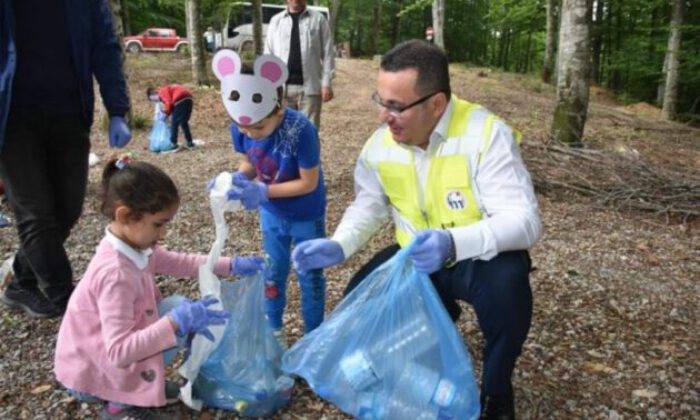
(450, 198)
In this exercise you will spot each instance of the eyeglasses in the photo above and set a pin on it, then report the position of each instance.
(396, 110)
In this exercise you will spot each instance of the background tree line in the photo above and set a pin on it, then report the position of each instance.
(628, 40)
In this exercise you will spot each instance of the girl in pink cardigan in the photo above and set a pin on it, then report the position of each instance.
(118, 334)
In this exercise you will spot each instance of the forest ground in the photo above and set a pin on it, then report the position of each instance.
(615, 325)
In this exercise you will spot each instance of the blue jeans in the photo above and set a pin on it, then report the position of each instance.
(182, 111)
(165, 306)
(278, 237)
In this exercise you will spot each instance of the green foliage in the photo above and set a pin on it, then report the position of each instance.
(501, 34)
(139, 122)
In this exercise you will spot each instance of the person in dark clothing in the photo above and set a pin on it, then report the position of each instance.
(177, 104)
(46, 110)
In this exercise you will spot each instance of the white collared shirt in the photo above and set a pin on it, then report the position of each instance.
(316, 41)
(137, 256)
(511, 218)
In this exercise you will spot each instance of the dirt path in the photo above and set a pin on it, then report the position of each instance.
(614, 332)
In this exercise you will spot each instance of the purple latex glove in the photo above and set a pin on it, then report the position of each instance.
(247, 266)
(431, 250)
(194, 317)
(316, 253)
(251, 193)
(119, 134)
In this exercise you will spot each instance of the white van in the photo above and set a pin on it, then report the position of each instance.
(237, 33)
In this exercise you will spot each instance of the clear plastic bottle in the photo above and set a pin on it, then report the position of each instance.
(410, 339)
(420, 393)
(359, 371)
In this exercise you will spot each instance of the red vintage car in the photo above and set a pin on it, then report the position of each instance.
(156, 39)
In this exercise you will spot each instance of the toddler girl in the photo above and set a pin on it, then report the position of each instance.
(118, 334)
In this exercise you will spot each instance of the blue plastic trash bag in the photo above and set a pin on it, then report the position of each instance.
(389, 351)
(160, 133)
(243, 373)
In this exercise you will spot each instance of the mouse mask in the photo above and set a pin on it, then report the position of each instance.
(249, 98)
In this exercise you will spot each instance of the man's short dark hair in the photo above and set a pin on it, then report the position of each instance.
(429, 61)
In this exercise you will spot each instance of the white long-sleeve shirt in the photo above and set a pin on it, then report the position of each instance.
(316, 41)
(510, 214)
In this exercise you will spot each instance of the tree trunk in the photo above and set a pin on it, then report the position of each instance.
(548, 67)
(116, 8)
(376, 29)
(334, 11)
(438, 23)
(669, 110)
(257, 27)
(194, 32)
(126, 21)
(572, 73)
(597, 40)
(396, 24)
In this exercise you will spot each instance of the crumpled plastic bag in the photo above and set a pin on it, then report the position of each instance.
(159, 139)
(209, 285)
(389, 351)
(243, 373)
(240, 370)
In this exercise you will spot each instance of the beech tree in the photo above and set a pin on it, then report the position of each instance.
(672, 61)
(572, 72)
(194, 32)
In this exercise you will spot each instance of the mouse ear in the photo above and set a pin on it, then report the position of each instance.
(226, 63)
(271, 68)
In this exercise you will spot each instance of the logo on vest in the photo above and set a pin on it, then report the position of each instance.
(455, 200)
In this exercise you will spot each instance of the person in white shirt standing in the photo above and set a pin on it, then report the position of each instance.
(450, 174)
(302, 39)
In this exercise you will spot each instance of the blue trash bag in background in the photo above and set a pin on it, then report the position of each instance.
(160, 133)
(389, 351)
(243, 373)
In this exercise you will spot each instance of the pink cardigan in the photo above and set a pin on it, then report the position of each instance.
(111, 337)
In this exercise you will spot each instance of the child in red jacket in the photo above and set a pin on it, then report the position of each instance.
(177, 104)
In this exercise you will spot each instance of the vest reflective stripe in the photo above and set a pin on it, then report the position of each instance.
(452, 199)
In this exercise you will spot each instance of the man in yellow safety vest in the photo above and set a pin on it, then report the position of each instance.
(449, 173)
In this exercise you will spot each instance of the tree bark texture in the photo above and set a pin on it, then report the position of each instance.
(257, 27)
(334, 11)
(439, 23)
(670, 110)
(548, 66)
(194, 32)
(572, 73)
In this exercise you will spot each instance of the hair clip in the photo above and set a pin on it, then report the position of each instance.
(124, 160)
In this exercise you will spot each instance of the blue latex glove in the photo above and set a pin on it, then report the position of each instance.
(431, 249)
(119, 134)
(247, 266)
(194, 317)
(316, 253)
(251, 193)
(235, 176)
(238, 176)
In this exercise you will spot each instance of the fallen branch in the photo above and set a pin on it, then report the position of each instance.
(619, 180)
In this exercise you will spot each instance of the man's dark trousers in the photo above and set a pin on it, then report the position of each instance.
(499, 290)
(44, 164)
(182, 111)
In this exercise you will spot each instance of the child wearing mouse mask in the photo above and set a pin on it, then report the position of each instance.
(280, 174)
